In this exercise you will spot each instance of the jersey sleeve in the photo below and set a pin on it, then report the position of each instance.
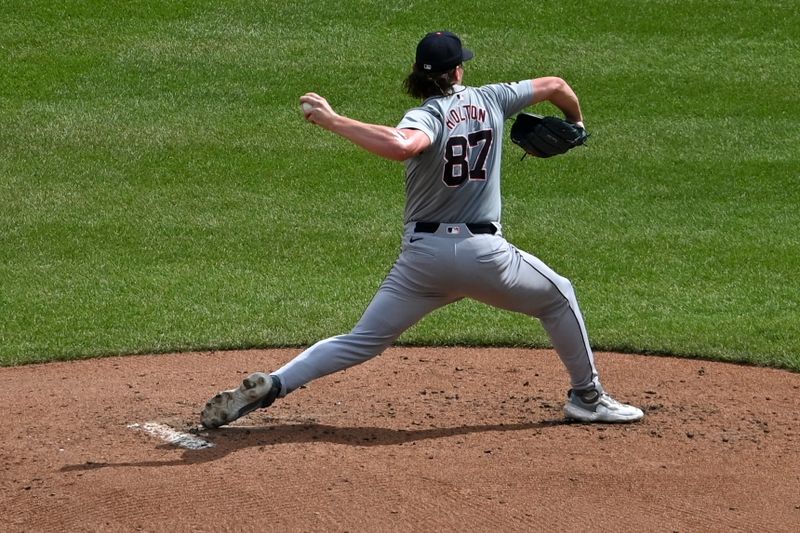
(423, 120)
(511, 97)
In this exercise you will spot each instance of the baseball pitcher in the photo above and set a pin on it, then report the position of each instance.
(453, 245)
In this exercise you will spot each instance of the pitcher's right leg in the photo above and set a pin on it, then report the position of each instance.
(388, 315)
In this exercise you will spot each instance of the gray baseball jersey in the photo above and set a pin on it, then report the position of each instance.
(457, 179)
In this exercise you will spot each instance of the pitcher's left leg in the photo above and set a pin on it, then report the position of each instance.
(586, 401)
(563, 321)
(512, 279)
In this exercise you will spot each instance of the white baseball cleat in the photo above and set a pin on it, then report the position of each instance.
(256, 391)
(597, 406)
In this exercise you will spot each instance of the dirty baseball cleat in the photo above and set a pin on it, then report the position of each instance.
(596, 406)
(256, 391)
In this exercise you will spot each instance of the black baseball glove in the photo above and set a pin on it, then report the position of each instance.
(546, 136)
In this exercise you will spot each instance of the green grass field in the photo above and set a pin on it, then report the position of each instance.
(161, 192)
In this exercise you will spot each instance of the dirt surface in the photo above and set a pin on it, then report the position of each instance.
(415, 440)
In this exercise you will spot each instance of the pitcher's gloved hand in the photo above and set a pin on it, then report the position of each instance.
(546, 136)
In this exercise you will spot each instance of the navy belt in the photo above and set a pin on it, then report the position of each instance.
(476, 229)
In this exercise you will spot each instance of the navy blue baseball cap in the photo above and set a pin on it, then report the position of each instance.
(440, 51)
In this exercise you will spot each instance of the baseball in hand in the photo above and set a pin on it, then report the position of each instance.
(306, 107)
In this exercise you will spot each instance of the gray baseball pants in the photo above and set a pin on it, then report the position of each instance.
(436, 269)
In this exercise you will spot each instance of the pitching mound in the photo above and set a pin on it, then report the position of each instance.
(417, 439)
